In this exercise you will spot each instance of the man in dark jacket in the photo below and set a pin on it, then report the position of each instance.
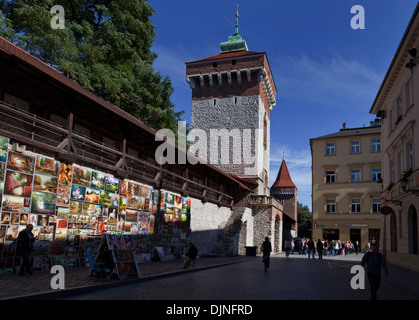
(25, 242)
(374, 261)
(190, 255)
(311, 248)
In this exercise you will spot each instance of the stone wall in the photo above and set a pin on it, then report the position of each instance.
(234, 113)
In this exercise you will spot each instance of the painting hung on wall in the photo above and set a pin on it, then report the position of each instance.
(46, 166)
(20, 162)
(43, 203)
(98, 181)
(4, 145)
(92, 195)
(112, 184)
(45, 183)
(11, 203)
(105, 198)
(63, 195)
(123, 188)
(81, 176)
(133, 189)
(77, 192)
(64, 177)
(17, 184)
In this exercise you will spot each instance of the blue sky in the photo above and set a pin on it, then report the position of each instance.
(326, 73)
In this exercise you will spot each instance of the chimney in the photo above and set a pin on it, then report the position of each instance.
(344, 126)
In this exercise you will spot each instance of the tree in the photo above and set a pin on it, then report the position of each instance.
(304, 218)
(105, 46)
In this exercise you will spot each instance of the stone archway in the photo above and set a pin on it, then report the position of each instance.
(412, 218)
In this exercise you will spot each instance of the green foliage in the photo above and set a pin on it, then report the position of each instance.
(105, 46)
(305, 218)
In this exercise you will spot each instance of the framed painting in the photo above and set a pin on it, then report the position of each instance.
(64, 177)
(45, 183)
(46, 166)
(18, 184)
(20, 162)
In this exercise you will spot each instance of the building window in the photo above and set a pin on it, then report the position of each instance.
(330, 149)
(399, 107)
(330, 177)
(408, 98)
(330, 206)
(355, 146)
(355, 175)
(355, 205)
(375, 145)
(409, 155)
(376, 205)
(392, 173)
(376, 174)
(265, 134)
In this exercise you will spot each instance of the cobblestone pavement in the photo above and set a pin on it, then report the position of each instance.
(38, 285)
(234, 278)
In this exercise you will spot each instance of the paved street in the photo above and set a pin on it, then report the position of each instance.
(296, 278)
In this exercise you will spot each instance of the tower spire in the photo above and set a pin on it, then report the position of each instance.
(235, 42)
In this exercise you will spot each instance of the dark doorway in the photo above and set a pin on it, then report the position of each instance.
(355, 235)
(413, 230)
(330, 234)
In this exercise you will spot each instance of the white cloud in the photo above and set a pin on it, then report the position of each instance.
(332, 81)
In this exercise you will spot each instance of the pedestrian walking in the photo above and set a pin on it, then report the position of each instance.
(375, 261)
(356, 247)
(25, 242)
(311, 248)
(266, 249)
(319, 249)
(288, 247)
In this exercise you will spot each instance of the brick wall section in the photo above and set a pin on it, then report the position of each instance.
(244, 88)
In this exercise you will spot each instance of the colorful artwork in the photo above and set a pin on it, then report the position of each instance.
(11, 203)
(46, 166)
(123, 188)
(81, 176)
(98, 181)
(78, 192)
(64, 177)
(92, 195)
(45, 183)
(63, 195)
(76, 207)
(20, 162)
(112, 184)
(4, 146)
(18, 184)
(105, 198)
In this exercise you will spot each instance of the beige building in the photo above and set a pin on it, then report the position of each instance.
(346, 193)
(395, 104)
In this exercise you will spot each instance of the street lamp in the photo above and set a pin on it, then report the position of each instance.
(404, 184)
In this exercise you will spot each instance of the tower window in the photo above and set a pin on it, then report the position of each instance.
(233, 62)
(215, 102)
(215, 64)
(235, 99)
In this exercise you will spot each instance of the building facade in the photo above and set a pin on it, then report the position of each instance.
(233, 94)
(395, 105)
(346, 188)
(59, 143)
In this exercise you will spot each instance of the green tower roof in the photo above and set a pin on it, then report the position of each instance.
(235, 42)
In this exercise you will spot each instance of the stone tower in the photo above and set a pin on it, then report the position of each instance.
(285, 191)
(233, 93)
